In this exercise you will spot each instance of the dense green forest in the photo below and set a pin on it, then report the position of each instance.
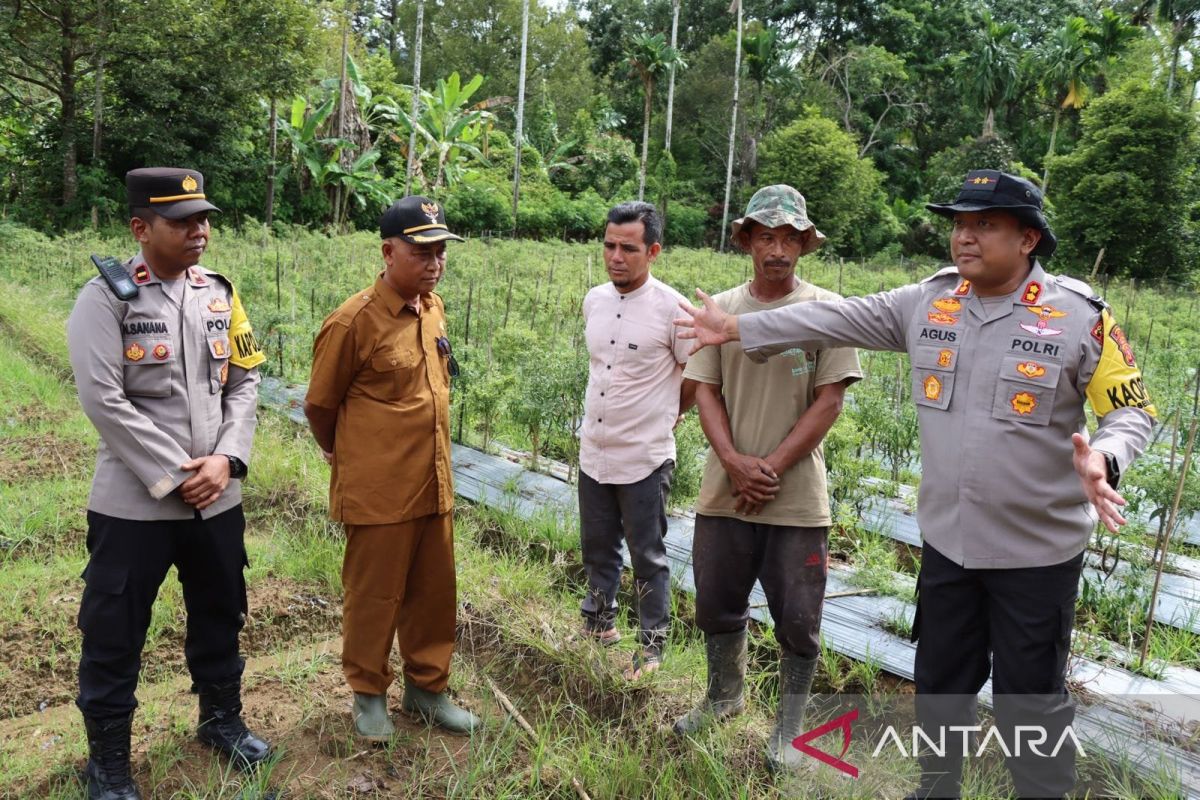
(302, 113)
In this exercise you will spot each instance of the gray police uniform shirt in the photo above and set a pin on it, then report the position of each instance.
(156, 378)
(999, 392)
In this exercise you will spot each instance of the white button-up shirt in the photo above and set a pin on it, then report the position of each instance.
(635, 370)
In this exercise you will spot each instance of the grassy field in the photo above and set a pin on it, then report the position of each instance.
(519, 581)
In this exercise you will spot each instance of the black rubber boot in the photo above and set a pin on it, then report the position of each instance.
(107, 770)
(726, 677)
(795, 681)
(221, 726)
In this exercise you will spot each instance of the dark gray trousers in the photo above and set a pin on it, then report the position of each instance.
(728, 555)
(637, 513)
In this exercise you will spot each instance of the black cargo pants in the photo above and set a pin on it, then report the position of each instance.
(129, 560)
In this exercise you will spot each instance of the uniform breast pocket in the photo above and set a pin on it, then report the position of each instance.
(933, 371)
(218, 361)
(391, 372)
(1025, 390)
(147, 367)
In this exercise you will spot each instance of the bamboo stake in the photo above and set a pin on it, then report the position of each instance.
(1162, 560)
(525, 726)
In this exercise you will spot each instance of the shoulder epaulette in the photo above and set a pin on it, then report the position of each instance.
(1079, 287)
(950, 270)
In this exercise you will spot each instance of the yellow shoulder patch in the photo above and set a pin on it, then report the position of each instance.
(1117, 381)
(246, 353)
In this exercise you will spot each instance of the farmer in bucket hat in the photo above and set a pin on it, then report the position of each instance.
(763, 511)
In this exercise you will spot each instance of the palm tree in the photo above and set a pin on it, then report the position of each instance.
(1069, 61)
(519, 139)
(416, 100)
(649, 58)
(736, 7)
(1183, 16)
(671, 80)
(1112, 36)
(989, 72)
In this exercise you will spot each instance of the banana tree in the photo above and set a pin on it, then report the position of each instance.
(451, 130)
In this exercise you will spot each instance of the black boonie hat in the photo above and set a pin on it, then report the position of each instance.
(170, 192)
(988, 189)
(415, 219)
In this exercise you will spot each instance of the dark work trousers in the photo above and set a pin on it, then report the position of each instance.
(636, 512)
(728, 555)
(129, 560)
(1016, 625)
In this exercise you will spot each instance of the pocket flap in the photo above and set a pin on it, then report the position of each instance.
(942, 358)
(1036, 371)
(390, 360)
(105, 579)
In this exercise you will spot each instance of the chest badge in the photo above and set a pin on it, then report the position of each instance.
(219, 348)
(933, 387)
(1044, 314)
(135, 352)
(945, 358)
(1031, 369)
(1023, 403)
(941, 318)
(161, 352)
(224, 373)
(218, 305)
(948, 305)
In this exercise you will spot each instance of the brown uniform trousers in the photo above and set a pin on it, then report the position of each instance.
(399, 582)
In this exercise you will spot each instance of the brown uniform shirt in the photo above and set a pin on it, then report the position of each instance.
(376, 362)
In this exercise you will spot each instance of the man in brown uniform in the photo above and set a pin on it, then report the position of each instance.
(378, 404)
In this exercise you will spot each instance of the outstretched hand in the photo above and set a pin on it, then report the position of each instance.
(1093, 473)
(708, 325)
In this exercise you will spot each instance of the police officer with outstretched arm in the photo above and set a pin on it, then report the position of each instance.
(1003, 356)
(168, 377)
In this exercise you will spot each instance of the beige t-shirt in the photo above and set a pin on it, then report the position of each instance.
(764, 401)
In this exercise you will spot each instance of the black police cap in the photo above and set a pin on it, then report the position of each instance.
(416, 219)
(170, 192)
(992, 190)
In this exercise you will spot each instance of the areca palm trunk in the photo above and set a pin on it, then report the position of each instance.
(671, 79)
(647, 90)
(1050, 150)
(520, 114)
(737, 74)
(416, 100)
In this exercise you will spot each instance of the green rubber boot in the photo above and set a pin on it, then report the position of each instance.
(438, 709)
(795, 681)
(371, 720)
(726, 677)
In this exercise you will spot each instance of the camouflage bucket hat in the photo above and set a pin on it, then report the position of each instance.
(777, 205)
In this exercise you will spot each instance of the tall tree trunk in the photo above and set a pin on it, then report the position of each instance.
(1050, 150)
(647, 90)
(989, 124)
(416, 101)
(272, 143)
(392, 9)
(520, 140)
(67, 78)
(671, 79)
(737, 75)
(341, 118)
(98, 101)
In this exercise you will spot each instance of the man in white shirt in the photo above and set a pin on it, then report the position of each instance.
(627, 451)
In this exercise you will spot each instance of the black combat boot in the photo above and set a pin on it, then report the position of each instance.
(221, 725)
(108, 759)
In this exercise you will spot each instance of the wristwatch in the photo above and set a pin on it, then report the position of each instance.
(237, 469)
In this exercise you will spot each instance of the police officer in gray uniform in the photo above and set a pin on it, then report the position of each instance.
(169, 379)
(1003, 356)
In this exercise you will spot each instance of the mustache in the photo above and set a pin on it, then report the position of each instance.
(777, 262)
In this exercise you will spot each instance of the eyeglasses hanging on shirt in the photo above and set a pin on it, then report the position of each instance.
(443, 346)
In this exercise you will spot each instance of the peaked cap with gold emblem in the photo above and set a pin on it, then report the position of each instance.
(416, 219)
(170, 192)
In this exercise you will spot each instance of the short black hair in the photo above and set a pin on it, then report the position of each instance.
(638, 211)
